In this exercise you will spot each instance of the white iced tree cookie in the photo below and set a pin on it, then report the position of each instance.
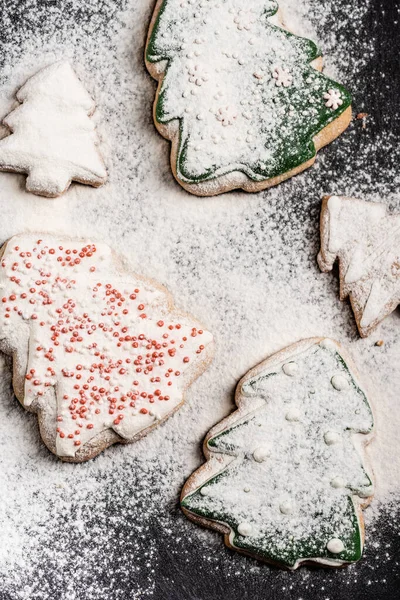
(100, 354)
(284, 478)
(53, 140)
(240, 97)
(366, 241)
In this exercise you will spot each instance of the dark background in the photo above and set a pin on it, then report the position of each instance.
(185, 567)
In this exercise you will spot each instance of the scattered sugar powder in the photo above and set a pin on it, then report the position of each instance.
(245, 265)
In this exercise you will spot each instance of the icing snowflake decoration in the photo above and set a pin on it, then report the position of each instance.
(282, 77)
(100, 354)
(227, 115)
(223, 54)
(245, 19)
(333, 99)
(197, 74)
(284, 478)
(366, 241)
(53, 139)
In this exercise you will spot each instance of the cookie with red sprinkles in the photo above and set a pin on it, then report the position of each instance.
(100, 354)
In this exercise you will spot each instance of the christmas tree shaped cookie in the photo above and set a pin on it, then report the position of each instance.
(284, 479)
(366, 241)
(239, 97)
(100, 354)
(53, 139)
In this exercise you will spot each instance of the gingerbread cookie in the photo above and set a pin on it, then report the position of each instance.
(100, 354)
(52, 138)
(366, 241)
(240, 98)
(284, 479)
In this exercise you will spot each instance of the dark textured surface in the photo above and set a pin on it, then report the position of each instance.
(163, 556)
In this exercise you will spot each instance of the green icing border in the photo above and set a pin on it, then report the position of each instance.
(291, 161)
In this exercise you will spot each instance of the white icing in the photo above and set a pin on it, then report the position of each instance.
(377, 298)
(261, 453)
(357, 266)
(334, 204)
(335, 546)
(245, 529)
(340, 382)
(53, 139)
(367, 242)
(332, 437)
(109, 345)
(290, 369)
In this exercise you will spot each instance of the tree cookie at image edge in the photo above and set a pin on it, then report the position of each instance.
(284, 479)
(240, 98)
(100, 354)
(365, 239)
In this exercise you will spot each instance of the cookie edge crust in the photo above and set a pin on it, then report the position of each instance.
(212, 465)
(235, 179)
(108, 437)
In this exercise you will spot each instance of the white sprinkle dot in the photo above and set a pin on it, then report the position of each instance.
(339, 382)
(332, 437)
(290, 369)
(338, 482)
(335, 546)
(245, 529)
(261, 454)
(286, 507)
(328, 344)
(293, 414)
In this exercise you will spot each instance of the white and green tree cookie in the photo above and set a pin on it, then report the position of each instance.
(284, 478)
(240, 98)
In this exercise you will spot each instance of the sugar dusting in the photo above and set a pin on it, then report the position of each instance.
(245, 265)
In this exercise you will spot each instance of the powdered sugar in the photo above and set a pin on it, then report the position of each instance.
(245, 265)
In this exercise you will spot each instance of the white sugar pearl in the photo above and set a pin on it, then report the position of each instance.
(328, 344)
(335, 546)
(293, 414)
(338, 482)
(290, 369)
(261, 454)
(339, 382)
(205, 491)
(332, 437)
(286, 507)
(245, 528)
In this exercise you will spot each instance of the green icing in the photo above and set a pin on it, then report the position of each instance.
(269, 546)
(287, 141)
